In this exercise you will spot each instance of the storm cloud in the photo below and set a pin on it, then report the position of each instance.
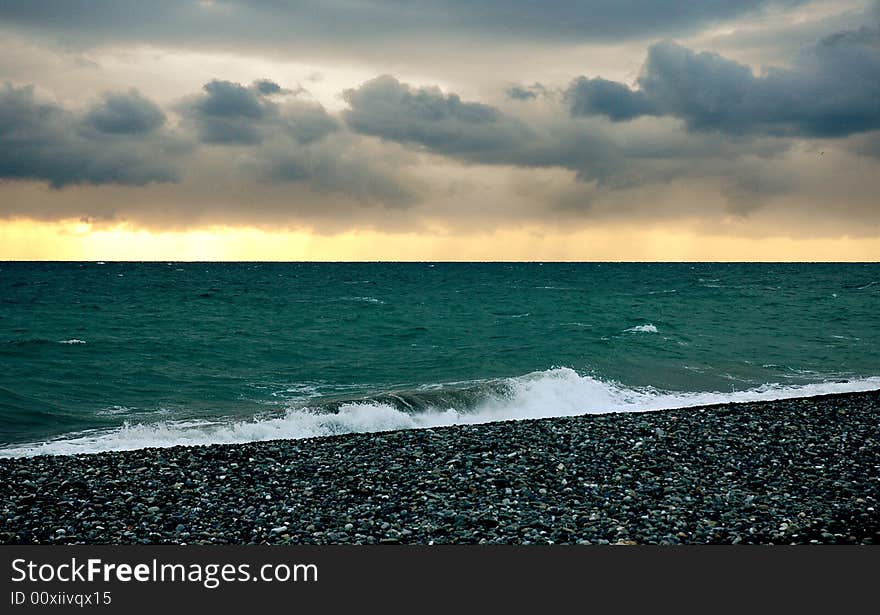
(228, 113)
(427, 119)
(128, 113)
(270, 23)
(615, 100)
(833, 90)
(43, 141)
(425, 116)
(293, 141)
(191, 112)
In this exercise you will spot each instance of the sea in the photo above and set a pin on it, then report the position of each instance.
(98, 356)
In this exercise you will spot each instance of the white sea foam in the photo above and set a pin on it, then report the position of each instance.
(72, 341)
(648, 328)
(114, 410)
(551, 393)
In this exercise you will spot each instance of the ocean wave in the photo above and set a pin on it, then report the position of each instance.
(551, 393)
(647, 328)
(114, 411)
(72, 341)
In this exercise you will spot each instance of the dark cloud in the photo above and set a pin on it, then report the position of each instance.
(128, 113)
(337, 23)
(833, 90)
(267, 87)
(612, 156)
(228, 99)
(120, 140)
(290, 142)
(698, 122)
(531, 92)
(442, 123)
(44, 142)
(602, 97)
(428, 119)
(228, 113)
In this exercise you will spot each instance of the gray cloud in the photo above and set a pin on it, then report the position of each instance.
(228, 113)
(602, 97)
(833, 90)
(227, 99)
(398, 147)
(614, 157)
(748, 172)
(128, 113)
(267, 87)
(290, 142)
(335, 23)
(44, 142)
(523, 93)
(297, 142)
(120, 140)
(442, 123)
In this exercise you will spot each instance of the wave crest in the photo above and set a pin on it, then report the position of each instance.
(648, 328)
(551, 393)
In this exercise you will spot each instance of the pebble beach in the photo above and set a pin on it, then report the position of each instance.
(797, 471)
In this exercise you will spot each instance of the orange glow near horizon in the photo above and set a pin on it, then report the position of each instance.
(75, 240)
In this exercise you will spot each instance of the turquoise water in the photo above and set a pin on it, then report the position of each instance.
(100, 356)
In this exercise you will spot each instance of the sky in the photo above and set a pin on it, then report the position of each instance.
(440, 130)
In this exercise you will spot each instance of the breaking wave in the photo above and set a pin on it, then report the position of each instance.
(648, 328)
(551, 393)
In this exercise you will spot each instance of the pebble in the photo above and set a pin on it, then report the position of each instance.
(758, 473)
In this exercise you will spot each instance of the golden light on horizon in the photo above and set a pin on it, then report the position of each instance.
(78, 240)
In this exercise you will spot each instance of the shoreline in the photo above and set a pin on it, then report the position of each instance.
(797, 470)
